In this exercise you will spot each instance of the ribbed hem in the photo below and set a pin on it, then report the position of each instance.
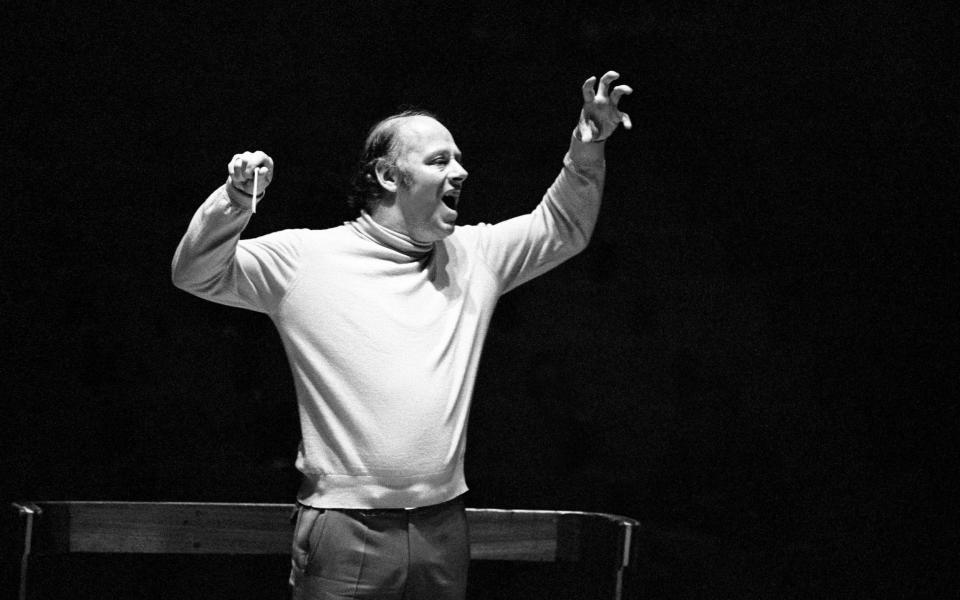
(370, 491)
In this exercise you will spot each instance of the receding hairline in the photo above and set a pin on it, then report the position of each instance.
(400, 128)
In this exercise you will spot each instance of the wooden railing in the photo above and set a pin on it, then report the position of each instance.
(596, 543)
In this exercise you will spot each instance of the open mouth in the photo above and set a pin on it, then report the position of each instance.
(451, 199)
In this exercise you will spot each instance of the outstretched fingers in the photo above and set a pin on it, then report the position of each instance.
(601, 115)
(605, 82)
(621, 90)
(588, 93)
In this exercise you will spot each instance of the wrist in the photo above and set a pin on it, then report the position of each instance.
(586, 153)
(243, 193)
(596, 128)
(238, 197)
(577, 133)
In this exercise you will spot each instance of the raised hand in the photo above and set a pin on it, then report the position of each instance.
(600, 115)
(241, 169)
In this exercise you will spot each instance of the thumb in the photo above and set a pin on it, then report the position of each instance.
(588, 129)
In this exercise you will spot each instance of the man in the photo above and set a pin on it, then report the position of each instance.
(383, 320)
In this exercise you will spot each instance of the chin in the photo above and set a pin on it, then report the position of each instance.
(443, 229)
(435, 235)
(446, 232)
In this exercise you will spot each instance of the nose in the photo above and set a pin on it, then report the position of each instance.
(457, 172)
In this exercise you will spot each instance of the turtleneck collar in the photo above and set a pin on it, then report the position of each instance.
(368, 228)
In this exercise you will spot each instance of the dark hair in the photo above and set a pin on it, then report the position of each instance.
(382, 144)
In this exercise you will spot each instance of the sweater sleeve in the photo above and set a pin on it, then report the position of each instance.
(524, 247)
(213, 263)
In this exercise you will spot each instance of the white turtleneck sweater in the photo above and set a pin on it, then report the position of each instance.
(383, 334)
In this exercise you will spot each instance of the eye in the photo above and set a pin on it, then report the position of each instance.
(440, 160)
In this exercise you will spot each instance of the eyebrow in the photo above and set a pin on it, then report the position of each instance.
(444, 151)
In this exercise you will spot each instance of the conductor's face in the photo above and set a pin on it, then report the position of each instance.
(429, 188)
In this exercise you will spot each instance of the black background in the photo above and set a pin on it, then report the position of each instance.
(752, 357)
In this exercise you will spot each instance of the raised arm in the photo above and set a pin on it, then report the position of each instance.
(211, 262)
(524, 247)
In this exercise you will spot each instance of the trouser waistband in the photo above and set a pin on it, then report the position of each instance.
(375, 512)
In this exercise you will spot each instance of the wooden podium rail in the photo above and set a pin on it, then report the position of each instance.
(594, 543)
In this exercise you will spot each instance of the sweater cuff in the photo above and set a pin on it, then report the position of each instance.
(587, 154)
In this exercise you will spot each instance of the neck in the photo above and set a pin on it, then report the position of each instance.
(386, 236)
(389, 216)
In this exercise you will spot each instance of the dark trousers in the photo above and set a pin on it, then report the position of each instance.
(388, 554)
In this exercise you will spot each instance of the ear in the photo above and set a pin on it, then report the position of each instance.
(386, 175)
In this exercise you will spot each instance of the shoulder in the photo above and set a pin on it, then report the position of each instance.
(311, 236)
(469, 240)
(299, 240)
(468, 234)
